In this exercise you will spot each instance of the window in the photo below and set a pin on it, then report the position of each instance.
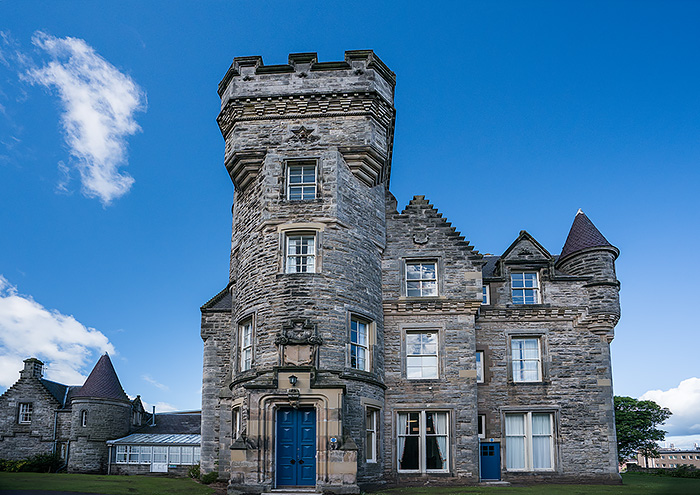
(25, 413)
(160, 455)
(83, 418)
(371, 437)
(174, 455)
(482, 426)
(121, 454)
(145, 454)
(479, 366)
(421, 278)
(245, 331)
(197, 451)
(529, 442)
(186, 455)
(422, 441)
(235, 422)
(421, 355)
(133, 452)
(485, 296)
(525, 288)
(525, 358)
(301, 253)
(359, 344)
(301, 181)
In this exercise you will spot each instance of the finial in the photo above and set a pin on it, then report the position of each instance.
(579, 212)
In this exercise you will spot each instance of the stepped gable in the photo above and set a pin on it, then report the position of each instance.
(103, 382)
(422, 212)
(583, 235)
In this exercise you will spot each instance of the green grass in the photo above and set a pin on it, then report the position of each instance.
(117, 485)
(633, 484)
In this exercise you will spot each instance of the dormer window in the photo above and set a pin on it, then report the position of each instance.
(525, 288)
(301, 181)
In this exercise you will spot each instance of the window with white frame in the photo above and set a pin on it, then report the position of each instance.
(245, 332)
(133, 454)
(121, 454)
(145, 454)
(421, 355)
(371, 434)
(422, 442)
(235, 422)
(160, 455)
(421, 278)
(174, 455)
(481, 425)
(529, 441)
(526, 360)
(300, 253)
(479, 366)
(359, 343)
(485, 296)
(83, 418)
(301, 181)
(525, 288)
(196, 455)
(25, 413)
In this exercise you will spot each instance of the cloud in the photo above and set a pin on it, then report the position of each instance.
(684, 403)
(66, 346)
(99, 103)
(153, 382)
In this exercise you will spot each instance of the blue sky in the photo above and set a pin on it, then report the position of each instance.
(115, 204)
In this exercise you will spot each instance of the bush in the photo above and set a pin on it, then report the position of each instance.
(40, 463)
(210, 477)
(194, 472)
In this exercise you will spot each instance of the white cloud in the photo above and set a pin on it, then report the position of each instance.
(684, 403)
(152, 381)
(99, 103)
(28, 329)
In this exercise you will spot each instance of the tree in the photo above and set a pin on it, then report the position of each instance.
(635, 422)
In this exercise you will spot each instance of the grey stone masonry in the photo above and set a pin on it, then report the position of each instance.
(375, 319)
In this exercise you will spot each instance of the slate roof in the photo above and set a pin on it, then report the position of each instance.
(583, 235)
(103, 382)
(62, 393)
(223, 301)
(175, 423)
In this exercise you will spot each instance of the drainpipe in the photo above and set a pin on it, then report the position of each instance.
(109, 459)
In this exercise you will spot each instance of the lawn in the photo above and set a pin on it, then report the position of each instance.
(634, 484)
(117, 485)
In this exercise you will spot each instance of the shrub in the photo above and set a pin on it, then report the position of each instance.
(194, 472)
(40, 463)
(210, 477)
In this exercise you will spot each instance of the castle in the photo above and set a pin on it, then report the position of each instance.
(357, 346)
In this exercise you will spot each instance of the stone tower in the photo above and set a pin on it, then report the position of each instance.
(308, 148)
(101, 411)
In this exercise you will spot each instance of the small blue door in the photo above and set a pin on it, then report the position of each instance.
(296, 447)
(490, 461)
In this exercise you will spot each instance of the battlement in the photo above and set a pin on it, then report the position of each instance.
(361, 71)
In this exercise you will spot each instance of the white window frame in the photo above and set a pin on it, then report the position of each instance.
(422, 441)
(24, 415)
(121, 457)
(371, 434)
(196, 454)
(303, 189)
(529, 286)
(527, 440)
(358, 346)
(133, 455)
(246, 338)
(422, 357)
(160, 451)
(479, 366)
(518, 365)
(83, 418)
(301, 257)
(174, 454)
(235, 422)
(427, 285)
(145, 454)
(485, 295)
(481, 426)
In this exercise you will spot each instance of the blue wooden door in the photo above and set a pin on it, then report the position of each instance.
(296, 447)
(490, 461)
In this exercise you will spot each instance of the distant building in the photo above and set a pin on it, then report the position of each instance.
(357, 345)
(82, 423)
(670, 458)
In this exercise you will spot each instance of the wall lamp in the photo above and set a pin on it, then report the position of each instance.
(293, 380)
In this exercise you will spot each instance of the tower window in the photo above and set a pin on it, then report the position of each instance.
(245, 332)
(301, 253)
(359, 343)
(83, 418)
(301, 181)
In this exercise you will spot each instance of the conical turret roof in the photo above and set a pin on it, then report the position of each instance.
(103, 382)
(583, 235)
